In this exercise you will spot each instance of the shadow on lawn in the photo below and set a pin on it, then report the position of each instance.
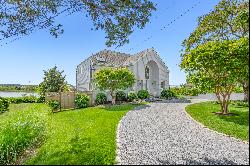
(241, 117)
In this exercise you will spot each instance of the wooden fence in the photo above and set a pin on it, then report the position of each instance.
(66, 99)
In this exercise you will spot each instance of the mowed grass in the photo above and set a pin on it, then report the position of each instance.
(236, 126)
(81, 137)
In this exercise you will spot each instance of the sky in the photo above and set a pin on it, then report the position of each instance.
(23, 61)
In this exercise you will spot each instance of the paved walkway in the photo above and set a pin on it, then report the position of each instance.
(162, 133)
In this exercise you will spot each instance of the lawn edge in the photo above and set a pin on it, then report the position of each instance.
(203, 126)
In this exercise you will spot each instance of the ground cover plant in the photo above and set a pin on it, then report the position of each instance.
(21, 127)
(236, 125)
(4, 105)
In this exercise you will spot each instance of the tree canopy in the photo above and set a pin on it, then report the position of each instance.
(116, 17)
(216, 66)
(228, 20)
(53, 81)
(113, 79)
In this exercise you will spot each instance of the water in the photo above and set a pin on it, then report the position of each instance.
(16, 94)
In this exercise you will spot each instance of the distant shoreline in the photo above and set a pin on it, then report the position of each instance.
(17, 91)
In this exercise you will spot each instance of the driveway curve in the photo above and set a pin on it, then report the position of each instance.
(162, 134)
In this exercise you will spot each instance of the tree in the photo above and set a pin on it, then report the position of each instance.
(116, 17)
(216, 66)
(53, 81)
(113, 79)
(229, 20)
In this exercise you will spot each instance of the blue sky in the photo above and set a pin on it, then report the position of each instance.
(24, 60)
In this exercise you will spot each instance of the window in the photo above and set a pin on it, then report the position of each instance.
(163, 84)
(147, 72)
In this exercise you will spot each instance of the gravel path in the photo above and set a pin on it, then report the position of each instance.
(162, 133)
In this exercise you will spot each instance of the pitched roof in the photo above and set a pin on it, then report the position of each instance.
(110, 58)
(116, 59)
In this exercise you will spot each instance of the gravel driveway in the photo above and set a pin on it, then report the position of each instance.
(162, 133)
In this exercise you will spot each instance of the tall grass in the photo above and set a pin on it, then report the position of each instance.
(21, 127)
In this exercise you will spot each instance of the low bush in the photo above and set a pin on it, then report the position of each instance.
(25, 99)
(21, 130)
(239, 103)
(186, 91)
(132, 96)
(82, 100)
(101, 98)
(143, 94)
(121, 96)
(53, 104)
(238, 89)
(40, 99)
(167, 94)
(4, 105)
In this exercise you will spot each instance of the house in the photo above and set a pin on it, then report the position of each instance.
(150, 71)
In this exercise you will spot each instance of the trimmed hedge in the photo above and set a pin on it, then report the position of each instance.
(25, 99)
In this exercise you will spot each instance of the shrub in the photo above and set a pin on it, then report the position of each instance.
(53, 104)
(240, 103)
(132, 96)
(238, 89)
(25, 99)
(4, 105)
(82, 100)
(19, 131)
(187, 91)
(40, 99)
(121, 96)
(143, 94)
(167, 94)
(101, 98)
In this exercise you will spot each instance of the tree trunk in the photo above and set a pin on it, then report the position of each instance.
(223, 100)
(245, 85)
(113, 97)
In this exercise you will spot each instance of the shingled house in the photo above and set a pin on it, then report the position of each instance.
(150, 71)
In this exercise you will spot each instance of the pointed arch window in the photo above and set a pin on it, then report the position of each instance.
(147, 72)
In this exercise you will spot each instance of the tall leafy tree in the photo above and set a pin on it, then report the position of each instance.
(53, 81)
(113, 79)
(216, 66)
(229, 20)
(116, 17)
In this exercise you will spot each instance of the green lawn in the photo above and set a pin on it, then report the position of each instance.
(236, 126)
(84, 136)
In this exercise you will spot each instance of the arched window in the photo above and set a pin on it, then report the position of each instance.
(147, 72)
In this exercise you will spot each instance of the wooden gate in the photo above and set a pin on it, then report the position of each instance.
(66, 99)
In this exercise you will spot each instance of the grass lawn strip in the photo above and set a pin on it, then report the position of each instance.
(234, 126)
(84, 136)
